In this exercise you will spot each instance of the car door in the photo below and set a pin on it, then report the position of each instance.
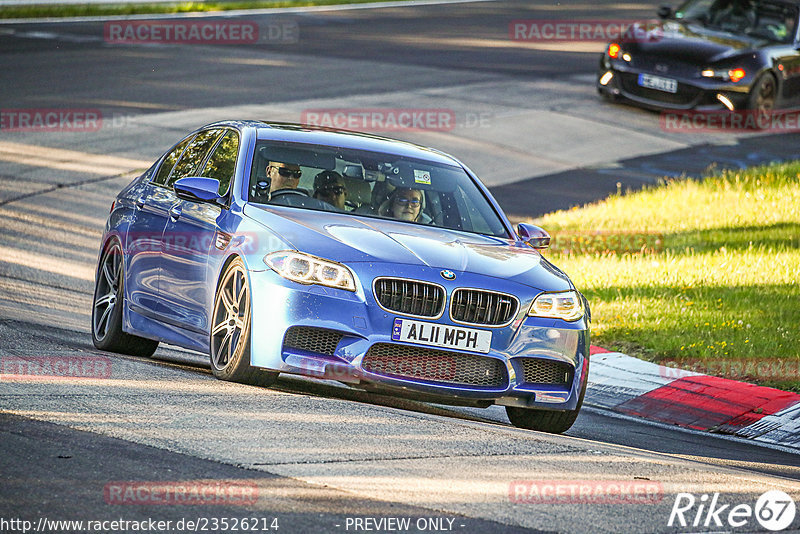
(791, 77)
(787, 58)
(143, 241)
(188, 239)
(789, 72)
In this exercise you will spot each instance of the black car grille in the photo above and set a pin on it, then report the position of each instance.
(548, 372)
(402, 361)
(311, 339)
(410, 297)
(686, 94)
(475, 306)
(660, 66)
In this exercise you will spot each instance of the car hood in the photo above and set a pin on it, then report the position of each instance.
(351, 239)
(688, 42)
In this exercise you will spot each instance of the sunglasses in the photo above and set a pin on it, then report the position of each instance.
(336, 190)
(410, 201)
(288, 173)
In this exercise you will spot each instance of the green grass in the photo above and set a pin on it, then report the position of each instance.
(88, 10)
(721, 290)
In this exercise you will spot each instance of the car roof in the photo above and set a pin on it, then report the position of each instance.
(318, 135)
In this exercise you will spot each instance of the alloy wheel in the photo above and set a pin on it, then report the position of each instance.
(230, 318)
(107, 288)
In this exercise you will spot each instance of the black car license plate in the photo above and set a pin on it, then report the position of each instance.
(658, 83)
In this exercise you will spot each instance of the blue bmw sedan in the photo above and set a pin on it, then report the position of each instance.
(388, 266)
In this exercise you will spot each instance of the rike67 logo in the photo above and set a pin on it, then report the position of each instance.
(774, 510)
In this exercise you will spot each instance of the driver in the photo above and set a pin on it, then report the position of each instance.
(283, 176)
(732, 15)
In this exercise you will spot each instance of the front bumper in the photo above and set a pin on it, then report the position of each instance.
(279, 305)
(694, 93)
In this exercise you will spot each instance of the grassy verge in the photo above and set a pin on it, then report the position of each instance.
(88, 10)
(715, 285)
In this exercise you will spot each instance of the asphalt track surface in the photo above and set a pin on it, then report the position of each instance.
(320, 454)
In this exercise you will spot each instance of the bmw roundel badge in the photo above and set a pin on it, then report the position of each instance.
(448, 275)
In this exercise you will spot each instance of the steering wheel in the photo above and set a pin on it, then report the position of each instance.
(280, 192)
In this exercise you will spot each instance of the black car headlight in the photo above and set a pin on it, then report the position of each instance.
(566, 305)
(728, 75)
(308, 269)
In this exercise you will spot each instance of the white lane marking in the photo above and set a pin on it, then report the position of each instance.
(782, 427)
(602, 410)
(66, 37)
(236, 12)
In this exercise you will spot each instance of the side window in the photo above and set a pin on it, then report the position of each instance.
(193, 156)
(700, 10)
(169, 162)
(222, 163)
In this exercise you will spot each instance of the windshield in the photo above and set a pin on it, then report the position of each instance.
(774, 21)
(370, 184)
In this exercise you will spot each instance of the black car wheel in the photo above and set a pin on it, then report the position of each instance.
(551, 421)
(230, 330)
(762, 98)
(109, 294)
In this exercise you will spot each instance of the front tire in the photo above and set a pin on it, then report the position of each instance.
(109, 295)
(762, 99)
(230, 331)
(552, 421)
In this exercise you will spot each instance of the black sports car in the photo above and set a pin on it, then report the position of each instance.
(707, 55)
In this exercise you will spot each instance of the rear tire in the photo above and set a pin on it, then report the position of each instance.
(230, 331)
(109, 300)
(551, 421)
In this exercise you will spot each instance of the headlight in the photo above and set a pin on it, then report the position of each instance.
(567, 305)
(728, 75)
(736, 74)
(308, 269)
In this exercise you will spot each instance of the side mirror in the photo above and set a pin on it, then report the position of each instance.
(534, 236)
(197, 188)
(664, 12)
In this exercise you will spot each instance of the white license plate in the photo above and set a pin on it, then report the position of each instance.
(659, 83)
(441, 335)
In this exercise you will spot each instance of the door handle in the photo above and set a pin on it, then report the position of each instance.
(175, 212)
(140, 203)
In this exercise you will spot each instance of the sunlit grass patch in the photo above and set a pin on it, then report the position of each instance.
(724, 285)
(89, 10)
